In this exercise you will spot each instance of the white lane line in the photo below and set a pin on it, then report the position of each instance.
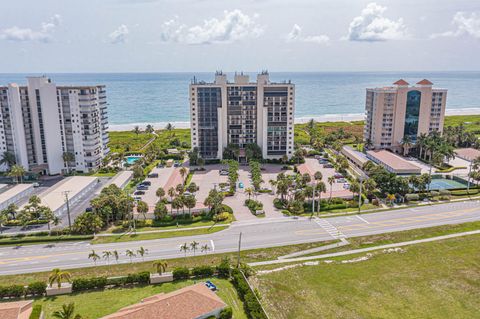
(212, 244)
(362, 219)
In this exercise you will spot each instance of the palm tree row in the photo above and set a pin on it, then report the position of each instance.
(94, 256)
(193, 246)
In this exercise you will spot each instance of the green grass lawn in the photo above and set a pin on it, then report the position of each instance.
(92, 305)
(127, 141)
(149, 236)
(201, 223)
(430, 280)
(470, 122)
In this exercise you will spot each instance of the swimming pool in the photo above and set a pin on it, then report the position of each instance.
(443, 183)
(132, 159)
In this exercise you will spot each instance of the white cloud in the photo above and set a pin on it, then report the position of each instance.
(296, 35)
(44, 34)
(233, 26)
(371, 25)
(465, 24)
(119, 35)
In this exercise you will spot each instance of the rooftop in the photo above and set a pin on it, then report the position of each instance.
(14, 191)
(16, 309)
(467, 154)
(190, 302)
(359, 156)
(394, 161)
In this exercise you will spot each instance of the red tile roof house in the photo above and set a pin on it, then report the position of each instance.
(192, 302)
(16, 309)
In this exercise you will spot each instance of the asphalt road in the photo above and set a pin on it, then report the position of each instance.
(259, 233)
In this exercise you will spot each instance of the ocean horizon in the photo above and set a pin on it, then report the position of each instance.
(160, 98)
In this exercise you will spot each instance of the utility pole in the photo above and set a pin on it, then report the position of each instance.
(360, 181)
(239, 247)
(65, 193)
(313, 199)
(468, 178)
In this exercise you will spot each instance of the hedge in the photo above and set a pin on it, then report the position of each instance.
(81, 284)
(202, 271)
(251, 305)
(181, 273)
(13, 291)
(37, 288)
(226, 313)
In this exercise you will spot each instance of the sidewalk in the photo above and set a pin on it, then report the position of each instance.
(159, 231)
(363, 250)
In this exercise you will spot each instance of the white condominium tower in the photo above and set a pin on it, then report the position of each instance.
(240, 113)
(401, 110)
(40, 122)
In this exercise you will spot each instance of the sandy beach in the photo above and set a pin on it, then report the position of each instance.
(321, 118)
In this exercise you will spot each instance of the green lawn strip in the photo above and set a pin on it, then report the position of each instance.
(31, 240)
(200, 223)
(401, 236)
(149, 236)
(127, 141)
(100, 303)
(191, 261)
(428, 280)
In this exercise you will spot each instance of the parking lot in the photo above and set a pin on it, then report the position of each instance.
(312, 165)
(207, 180)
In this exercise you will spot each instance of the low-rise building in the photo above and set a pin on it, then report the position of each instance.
(468, 154)
(14, 194)
(356, 157)
(393, 163)
(16, 310)
(192, 302)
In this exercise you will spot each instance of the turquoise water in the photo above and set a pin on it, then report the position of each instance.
(163, 97)
(132, 159)
(441, 183)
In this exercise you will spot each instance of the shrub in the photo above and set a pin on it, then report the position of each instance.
(445, 192)
(221, 217)
(202, 271)
(412, 197)
(375, 202)
(250, 302)
(227, 208)
(223, 269)
(138, 278)
(226, 313)
(13, 291)
(434, 193)
(37, 288)
(278, 203)
(81, 284)
(181, 273)
(285, 212)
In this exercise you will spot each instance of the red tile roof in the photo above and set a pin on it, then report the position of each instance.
(425, 82)
(187, 303)
(16, 309)
(401, 82)
(468, 154)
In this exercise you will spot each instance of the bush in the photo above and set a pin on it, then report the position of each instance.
(37, 288)
(412, 197)
(444, 192)
(202, 271)
(375, 202)
(223, 269)
(278, 203)
(221, 217)
(181, 273)
(226, 313)
(434, 193)
(13, 291)
(251, 305)
(81, 284)
(285, 212)
(227, 208)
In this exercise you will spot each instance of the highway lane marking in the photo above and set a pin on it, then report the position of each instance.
(212, 244)
(362, 219)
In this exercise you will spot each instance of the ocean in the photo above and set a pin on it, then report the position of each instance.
(141, 98)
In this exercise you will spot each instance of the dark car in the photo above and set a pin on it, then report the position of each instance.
(153, 175)
(146, 183)
(88, 209)
(139, 193)
(142, 187)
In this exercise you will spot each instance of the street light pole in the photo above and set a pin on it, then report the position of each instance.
(360, 181)
(65, 193)
(239, 247)
(468, 178)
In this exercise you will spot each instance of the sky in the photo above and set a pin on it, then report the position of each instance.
(54, 36)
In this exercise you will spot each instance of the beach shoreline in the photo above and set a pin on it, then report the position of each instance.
(319, 118)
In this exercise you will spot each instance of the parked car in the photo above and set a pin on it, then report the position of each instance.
(327, 165)
(160, 166)
(338, 175)
(153, 175)
(137, 193)
(223, 172)
(346, 185)
(142, 187)
(240, 185)
(36, 185)
(147, 183)
(88, 209)
(137, 198)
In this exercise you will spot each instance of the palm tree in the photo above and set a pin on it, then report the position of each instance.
(8, 159)
(406, 143)
(160, 193)
(57, 276)
(130, 254)
(115, 255)
(189, 202)
(149, 129)
(205, 248)
(17, 171)
(185, 249)
(67, 159)
(200, 162)
(273, 183)
(136, 130)
(142, 252)
(171, 192)
(320, 188)
(194, 246)
(67, 312)
(331, 180)
(183, 173)
(107, 254)
(94, 256)
(249, 191)
(160, 266)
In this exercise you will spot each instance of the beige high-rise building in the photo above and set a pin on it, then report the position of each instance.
(242, 113)
(403, 110)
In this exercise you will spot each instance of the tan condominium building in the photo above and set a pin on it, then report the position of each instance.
(40, 123)
(402, 110)
(240, 113)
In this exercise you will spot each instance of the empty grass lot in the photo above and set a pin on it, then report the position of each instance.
(430, 280)
(92, 305)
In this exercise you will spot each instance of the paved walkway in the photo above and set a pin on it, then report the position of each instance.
(363, 250)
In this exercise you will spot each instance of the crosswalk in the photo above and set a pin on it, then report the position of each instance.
(329, 228)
